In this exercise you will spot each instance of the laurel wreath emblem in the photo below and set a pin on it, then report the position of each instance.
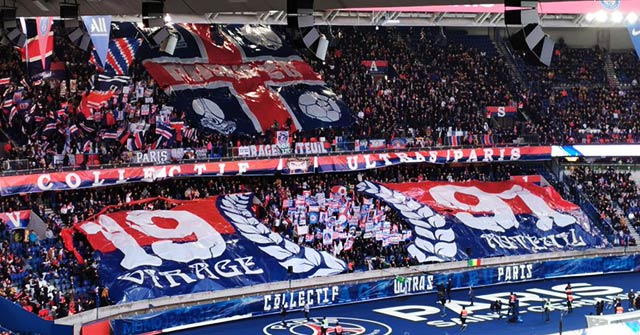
(302, 260)
(433, 242)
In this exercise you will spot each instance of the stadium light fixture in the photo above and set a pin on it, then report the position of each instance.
(153, 13)
(590, 17)
(167, 18)
(601, 16)
(617, 17)
(10, 26)
(632, 18)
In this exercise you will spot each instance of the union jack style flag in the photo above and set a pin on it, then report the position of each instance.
(164, 130)
(137, 140)
(189, 133)
(110, 135)
(122, 52)
(13, 113)
(87, 146)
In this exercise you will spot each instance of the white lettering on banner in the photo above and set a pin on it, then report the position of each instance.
(72, 180)
(308, 148)
(44, 182)
(199, 168)
(503, 217)
(413, 284)
(97, 181)
(14, 217)
(193, 74)
(175, 169)
(121, 178)
(316, 296)
(152, 156)
(534, 243)
(98, 26)
(530, 300)
(515, 272)
(263, 150)
(187, 224)
(226, 268)
(242, 168)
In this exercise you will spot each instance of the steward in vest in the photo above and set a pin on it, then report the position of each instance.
(339, 329)
(463, 317)
(569, 303)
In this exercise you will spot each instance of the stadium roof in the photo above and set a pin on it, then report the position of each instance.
(481, 13)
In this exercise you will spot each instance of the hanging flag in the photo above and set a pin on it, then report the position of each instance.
(5, 81)
(138, 140)
(634, 32)
(37, 61)
(121, 54)
(44, 27)
(99, 28)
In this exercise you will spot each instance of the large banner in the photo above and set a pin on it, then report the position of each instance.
(244, 79)
(197, 246)
(452, 221)
(419, 283)
(58, 181)
(16, 219)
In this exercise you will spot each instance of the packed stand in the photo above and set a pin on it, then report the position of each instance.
(581, 115)
(436, 86)
(616, 196)
(42, 276)
(48, 129)
(627, 67)
(569, 67)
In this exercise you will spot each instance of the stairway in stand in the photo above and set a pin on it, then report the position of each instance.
(612, 78)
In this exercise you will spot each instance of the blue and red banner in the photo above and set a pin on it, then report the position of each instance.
(121, 54)
(501, 111)
(37, 53)
(376, 67)
(197, 246)
(71, 180)
(16, 219)
(451, 220)
(244, 80)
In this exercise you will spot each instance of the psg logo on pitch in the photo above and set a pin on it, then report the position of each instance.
(351, 326)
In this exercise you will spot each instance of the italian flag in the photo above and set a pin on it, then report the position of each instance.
(473, 262)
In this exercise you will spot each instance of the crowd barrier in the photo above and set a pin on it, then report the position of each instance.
(345, 293)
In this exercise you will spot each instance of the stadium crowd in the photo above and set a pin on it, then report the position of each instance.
(436, 88)
(615, 195)
(465, 74)
(41, 275)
